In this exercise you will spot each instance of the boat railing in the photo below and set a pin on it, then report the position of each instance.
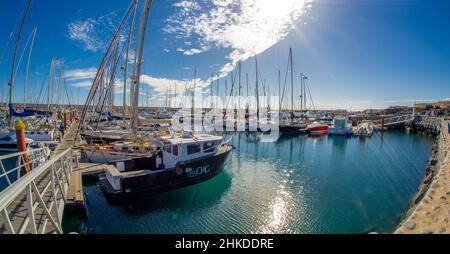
(34, 203)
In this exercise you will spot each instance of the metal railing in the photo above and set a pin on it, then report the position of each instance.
(11, 173)
(394, 120)
(35, 202)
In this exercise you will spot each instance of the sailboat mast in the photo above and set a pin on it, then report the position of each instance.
(143, 21)
(304, 90)
(193, 101)
(50, 81)
(240, 86)
(127, 55)
(212, 92)
(11, 81)
(279, 90)
(301, 90)
(28, 68)
(292, 83)
(257, 89)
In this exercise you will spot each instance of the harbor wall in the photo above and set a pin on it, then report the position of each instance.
(430, 208)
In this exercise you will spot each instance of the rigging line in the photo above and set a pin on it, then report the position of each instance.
(65, 88)
(11, 34)
(23, 53)
(102, 64)
(310, 95)
(42, 88)
(233, 81)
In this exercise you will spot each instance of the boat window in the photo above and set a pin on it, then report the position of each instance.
(209, 146)
(192, 149)
(168, 149)
(175, 150)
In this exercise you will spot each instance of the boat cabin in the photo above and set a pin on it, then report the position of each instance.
(188, 147)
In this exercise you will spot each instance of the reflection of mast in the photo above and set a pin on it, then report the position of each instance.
(11, 81)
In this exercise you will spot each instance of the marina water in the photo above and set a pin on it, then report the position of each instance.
(330, 184)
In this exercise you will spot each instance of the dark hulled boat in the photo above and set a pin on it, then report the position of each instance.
(183, 161)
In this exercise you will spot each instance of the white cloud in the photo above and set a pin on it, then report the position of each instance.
(81, 74)
(83, 84)
(247, 27)
(93, 33)
(162, 85)
(195, 51)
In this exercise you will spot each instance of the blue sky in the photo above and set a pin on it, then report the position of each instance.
(357, 53)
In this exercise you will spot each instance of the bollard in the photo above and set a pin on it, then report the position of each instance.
(22, 145)
(382, 124)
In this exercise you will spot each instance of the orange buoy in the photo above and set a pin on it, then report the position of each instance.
(22, 145)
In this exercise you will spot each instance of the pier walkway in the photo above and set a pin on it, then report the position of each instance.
(432, 214)
(393, 120)
(35, 202)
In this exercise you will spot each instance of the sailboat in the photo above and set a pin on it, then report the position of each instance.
(288, 124)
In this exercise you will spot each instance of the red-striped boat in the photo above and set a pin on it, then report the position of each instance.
(317, 129)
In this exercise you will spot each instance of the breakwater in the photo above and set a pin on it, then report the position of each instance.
(430, 210)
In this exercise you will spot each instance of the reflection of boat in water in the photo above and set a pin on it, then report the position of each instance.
(183, 161)
(317, 129)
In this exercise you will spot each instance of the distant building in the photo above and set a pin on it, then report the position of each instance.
(372, 111)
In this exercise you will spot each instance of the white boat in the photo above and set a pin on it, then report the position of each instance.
(40, 135)
(9, 143)
(317, 129)
(117, 151)
(364, 129)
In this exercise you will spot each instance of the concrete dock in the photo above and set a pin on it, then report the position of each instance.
(432, 214)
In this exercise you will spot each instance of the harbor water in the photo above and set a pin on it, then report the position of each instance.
(330, 184)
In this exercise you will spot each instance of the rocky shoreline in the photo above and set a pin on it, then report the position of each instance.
(430, 209)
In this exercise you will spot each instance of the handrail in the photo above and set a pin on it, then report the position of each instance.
(12, 155)
(9, 194)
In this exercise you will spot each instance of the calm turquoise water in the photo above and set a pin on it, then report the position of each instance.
(296, 185)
